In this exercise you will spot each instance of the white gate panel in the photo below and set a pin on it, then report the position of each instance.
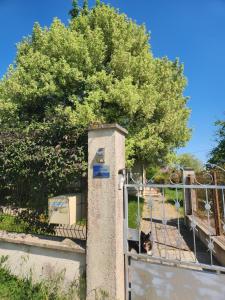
(151, 281)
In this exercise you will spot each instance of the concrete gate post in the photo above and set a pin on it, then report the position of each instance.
(190, 199)
(105, 259)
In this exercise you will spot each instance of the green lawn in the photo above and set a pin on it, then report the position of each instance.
(133, 210)
(172, 195)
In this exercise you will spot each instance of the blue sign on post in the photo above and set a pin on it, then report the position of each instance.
(101, 171)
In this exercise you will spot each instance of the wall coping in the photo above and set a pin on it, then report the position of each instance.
(48, 242)
(108, 126)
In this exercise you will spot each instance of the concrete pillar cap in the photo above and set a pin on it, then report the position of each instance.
(108, 126)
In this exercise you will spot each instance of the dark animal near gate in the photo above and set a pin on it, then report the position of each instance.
(145, 241)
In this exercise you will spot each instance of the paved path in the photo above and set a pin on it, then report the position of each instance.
(168, 241)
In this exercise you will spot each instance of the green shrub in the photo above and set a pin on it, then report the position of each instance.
(14, 288)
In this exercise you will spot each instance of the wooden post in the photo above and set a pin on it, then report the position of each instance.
(216, 207)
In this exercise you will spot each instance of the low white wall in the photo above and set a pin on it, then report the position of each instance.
(42, 257)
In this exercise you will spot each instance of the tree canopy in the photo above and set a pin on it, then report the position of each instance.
(217, 155)
(98, 69)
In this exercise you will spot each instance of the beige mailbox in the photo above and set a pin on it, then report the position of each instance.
(65, 209)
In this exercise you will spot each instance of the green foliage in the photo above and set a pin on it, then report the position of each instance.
(98, 2)
(39, 161)
(188, 160)
(74, 12)
(133, 210)
(34, 221)
(8, 114)
(85, 9)
(99, 69)
(26, 221)
(10, 224)
(157, 174)
(14, 288)
(29, 221)
(218, 153)
(172, 195)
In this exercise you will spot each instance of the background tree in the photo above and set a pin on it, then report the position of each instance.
(187, 160)
(218, 153)
(98, 69)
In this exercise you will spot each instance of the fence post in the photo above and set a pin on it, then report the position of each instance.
(105, 255)
(216, 207)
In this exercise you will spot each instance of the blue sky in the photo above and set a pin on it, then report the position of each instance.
(193, 30)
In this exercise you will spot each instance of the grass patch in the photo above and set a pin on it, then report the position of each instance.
(133, 210)
(171, 195)
(10, 224)
(12, 288)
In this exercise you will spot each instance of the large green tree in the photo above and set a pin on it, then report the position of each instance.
(218, 153)
(101, 69)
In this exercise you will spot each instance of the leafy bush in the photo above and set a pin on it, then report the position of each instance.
(26, 221)
(35, 222)
(39, 161)
(14, 288)
(10, 224)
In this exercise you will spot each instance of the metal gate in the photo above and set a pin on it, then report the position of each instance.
(172, 247)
